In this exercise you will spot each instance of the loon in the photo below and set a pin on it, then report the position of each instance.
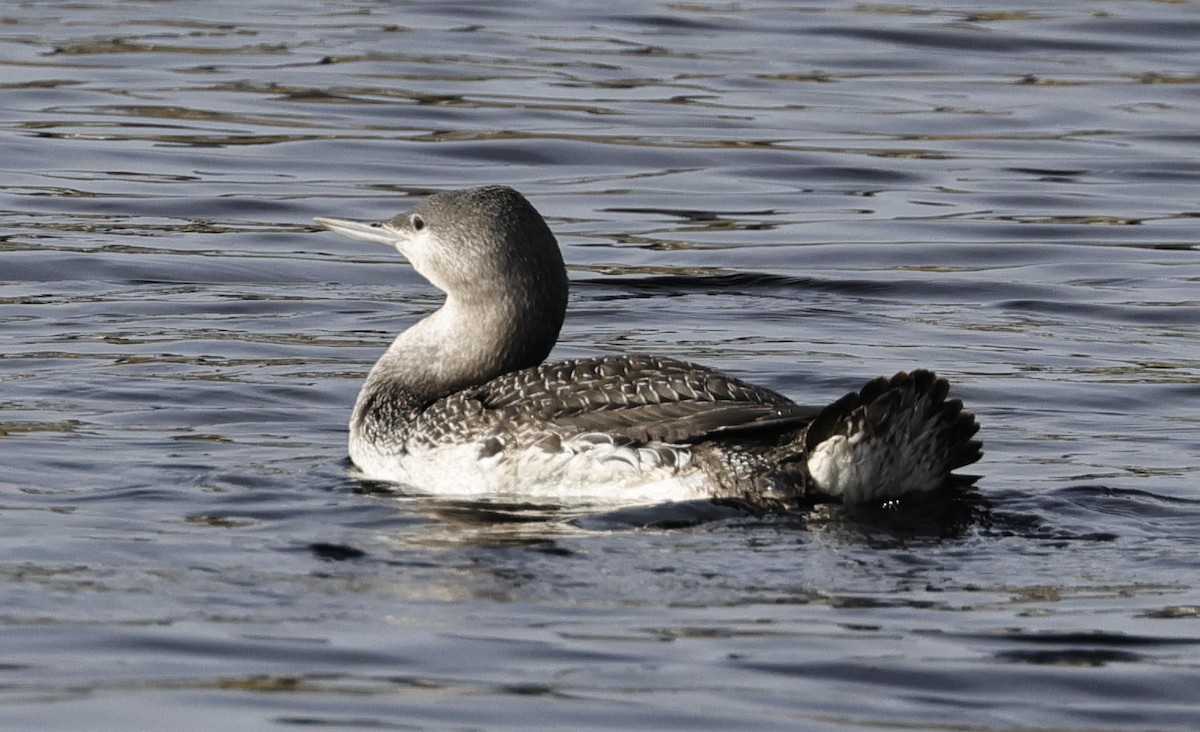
(463, 403)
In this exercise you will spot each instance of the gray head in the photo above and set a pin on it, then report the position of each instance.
(458, 238)
(490, 251)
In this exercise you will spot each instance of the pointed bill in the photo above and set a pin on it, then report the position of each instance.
(374, 232)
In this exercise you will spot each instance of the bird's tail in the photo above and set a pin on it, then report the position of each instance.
(892, 438)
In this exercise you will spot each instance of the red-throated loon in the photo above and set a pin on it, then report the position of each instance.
(462, 404)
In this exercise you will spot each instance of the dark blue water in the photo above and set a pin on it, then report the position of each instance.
(805, 195)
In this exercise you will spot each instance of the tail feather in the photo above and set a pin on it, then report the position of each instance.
(893, 437)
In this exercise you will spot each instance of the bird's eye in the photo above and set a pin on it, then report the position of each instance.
(418, 223)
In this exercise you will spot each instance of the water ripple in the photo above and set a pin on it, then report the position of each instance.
(804, 195)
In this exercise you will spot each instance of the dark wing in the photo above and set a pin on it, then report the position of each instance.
(640, 398)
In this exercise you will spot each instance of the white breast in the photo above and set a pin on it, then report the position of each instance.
(588, 468)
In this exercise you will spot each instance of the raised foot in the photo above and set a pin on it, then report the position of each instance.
(894, 437)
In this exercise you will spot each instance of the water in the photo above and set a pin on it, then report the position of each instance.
(807, 196)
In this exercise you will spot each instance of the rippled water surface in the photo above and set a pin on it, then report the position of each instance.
(807, 195)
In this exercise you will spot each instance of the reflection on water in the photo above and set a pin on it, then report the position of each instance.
(808, 196)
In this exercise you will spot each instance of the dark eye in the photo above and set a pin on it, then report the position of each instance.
(418, 223)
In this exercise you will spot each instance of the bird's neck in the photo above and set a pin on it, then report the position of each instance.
(466, 342)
